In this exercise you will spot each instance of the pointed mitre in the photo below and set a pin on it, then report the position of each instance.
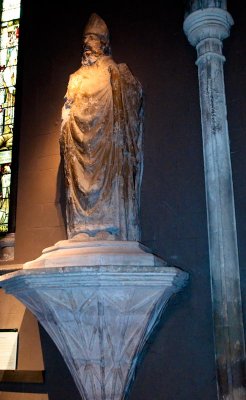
(96, 26)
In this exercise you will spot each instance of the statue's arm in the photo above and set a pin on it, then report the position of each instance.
(116, 96)
(65, 111)
(132, 99)
(68, 101)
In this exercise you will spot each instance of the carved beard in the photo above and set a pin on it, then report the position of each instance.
(89, 57)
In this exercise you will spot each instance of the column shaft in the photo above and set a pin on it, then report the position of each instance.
(224, 266)
(205, 29)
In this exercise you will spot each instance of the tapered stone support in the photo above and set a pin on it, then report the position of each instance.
(99, 302)
(205, 29)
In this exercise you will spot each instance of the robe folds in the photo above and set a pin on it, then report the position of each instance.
(101, 145)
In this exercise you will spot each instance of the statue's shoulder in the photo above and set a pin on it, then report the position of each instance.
(75, 74)
(121, 68)
(74, 78)
(108, 62)
(124, 68)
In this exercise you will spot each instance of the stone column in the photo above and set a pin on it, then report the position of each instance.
(206, 24)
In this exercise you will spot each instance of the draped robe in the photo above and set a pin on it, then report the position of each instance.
(101, 144)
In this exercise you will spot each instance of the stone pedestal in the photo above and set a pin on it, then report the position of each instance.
(99, 301)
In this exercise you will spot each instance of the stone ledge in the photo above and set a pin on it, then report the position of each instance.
(86, 276)
(75, 253)
(8, 268)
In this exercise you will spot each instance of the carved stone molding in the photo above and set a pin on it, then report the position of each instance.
(207, 23)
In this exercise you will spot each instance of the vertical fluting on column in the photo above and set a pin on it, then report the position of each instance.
(206, 24)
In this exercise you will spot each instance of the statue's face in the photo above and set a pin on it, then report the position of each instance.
(92, 44)
(92, 49)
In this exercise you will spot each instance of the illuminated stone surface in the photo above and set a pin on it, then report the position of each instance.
(101, 143)
(99, 316)
(206, 26)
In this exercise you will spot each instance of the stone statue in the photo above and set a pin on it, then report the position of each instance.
(101, 140)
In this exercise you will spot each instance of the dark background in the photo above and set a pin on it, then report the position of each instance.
(179, 360)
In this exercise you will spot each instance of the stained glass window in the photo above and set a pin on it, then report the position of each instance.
(9, 40)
